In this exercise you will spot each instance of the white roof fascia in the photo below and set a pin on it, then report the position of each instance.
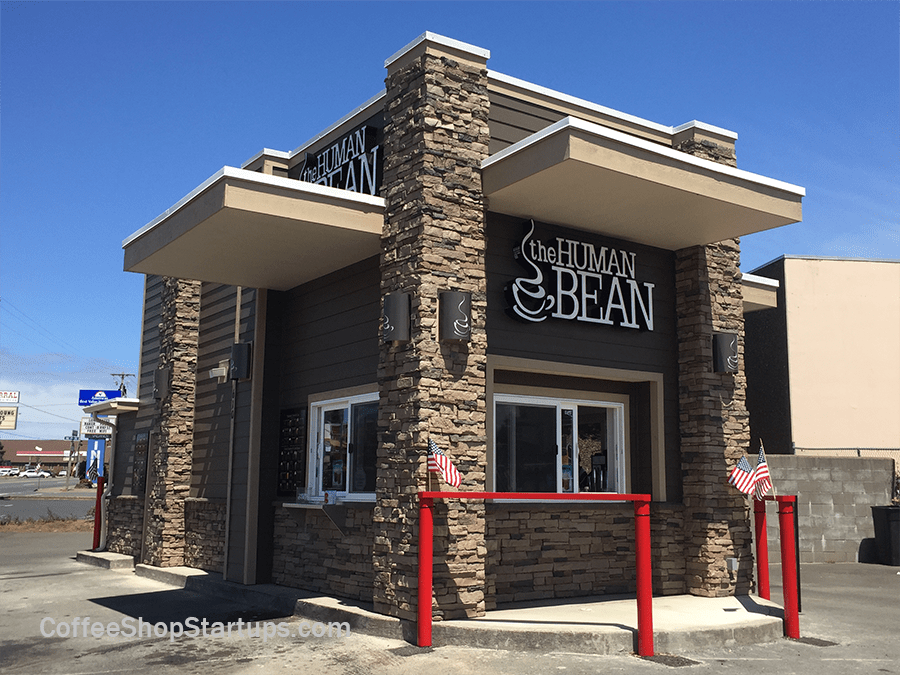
(649, 146)
(759, 281)
(298, 186)
(267, 152)
(478, 52)
(703, 126)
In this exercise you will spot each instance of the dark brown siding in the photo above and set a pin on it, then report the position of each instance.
(766, 364)
(145, 419)
(512, 120)
(327, 333)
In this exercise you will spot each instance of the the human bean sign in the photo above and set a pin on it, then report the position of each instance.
(576, 280)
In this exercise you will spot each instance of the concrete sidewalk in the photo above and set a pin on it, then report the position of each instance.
(599, 625)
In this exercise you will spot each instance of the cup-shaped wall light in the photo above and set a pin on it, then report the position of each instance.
(725, 352)
(455, 316)
(395, 318)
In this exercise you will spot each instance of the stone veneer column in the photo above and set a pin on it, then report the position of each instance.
(170, 466)
(715, 428)
(436, 136)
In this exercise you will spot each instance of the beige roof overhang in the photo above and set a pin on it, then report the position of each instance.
(758, 292)
(245, 228)
(587, 176)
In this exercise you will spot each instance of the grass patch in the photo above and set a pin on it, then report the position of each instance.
(49, 523)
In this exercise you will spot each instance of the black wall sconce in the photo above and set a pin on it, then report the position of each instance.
(395, 318)
(455, 316)
(725, 352)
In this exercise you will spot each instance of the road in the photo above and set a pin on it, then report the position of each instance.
(854, 608)
(24, 498)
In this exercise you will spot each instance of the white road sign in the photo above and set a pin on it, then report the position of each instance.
(8, 417)
(90, 427)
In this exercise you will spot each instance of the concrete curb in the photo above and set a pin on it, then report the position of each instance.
(108, 561)
(764, 624)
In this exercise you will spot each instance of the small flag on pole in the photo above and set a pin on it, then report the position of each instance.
(440, 463)
(742, 476)
(92, 472)
(762, 481)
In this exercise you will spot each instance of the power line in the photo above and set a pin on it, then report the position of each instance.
(25, 318)
(47, 413)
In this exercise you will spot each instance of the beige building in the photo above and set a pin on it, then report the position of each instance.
(823, 368)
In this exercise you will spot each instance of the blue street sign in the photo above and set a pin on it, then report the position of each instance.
(95, 456)
(91, 396)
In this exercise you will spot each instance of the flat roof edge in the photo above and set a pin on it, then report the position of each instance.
(648, 146)
(261, 179)
(428, 36)
(760, 281)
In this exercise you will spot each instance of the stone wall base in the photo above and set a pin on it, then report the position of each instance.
(204, 534)
(126, 522)
(565, 551)
(311, 553)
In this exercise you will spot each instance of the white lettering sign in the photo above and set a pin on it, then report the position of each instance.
(8, 417)
(91, 427)
(574, 280)
(350, 163)
(9, 397)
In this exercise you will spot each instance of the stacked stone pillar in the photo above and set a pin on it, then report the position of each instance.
(714, 422)
(170, 464)
(436, 136)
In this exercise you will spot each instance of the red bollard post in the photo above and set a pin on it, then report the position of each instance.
(789, 566)
(644, 578)
(426, 549)
(762, 549)
(98, 510)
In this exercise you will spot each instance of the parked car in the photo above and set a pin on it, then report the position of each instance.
(35, 473)
(8, 471)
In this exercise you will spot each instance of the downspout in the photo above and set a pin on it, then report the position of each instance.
(109, 483)
(231, 432)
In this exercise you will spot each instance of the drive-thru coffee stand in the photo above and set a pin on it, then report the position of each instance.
(546, 288)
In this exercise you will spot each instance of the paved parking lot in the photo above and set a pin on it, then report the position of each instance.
(850, 624)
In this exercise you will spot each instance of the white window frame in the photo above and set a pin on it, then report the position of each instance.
(616, 459)
(316, 446)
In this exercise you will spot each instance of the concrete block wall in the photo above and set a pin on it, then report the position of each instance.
(834, 498)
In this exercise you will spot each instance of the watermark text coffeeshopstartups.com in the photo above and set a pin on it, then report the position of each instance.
(130, 627)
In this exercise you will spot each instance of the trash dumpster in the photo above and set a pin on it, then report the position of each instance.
(887, 534)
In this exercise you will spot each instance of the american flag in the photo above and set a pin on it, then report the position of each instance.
(762, 481)
(439, 463)
(742, 477)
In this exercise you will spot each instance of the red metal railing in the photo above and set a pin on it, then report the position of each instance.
(788, 558)
(642, 553)
(98, 510)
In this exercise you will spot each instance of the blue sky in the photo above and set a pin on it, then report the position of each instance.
(113, 111)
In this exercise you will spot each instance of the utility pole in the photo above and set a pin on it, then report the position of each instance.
(72, 438)
(121, 381)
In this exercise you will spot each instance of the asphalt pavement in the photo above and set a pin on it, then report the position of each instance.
(50, 605)
(42, 498)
